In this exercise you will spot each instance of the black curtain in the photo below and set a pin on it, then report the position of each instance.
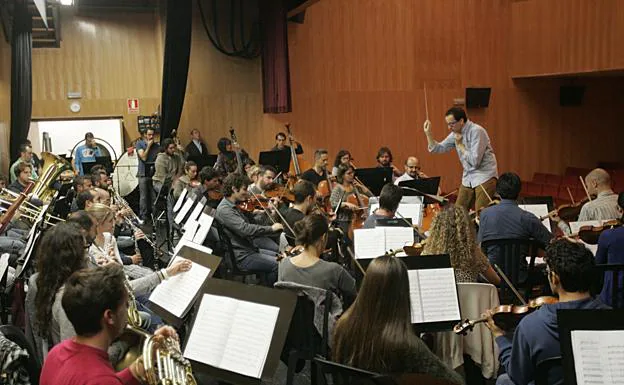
(276, 95)
(21, 77)
(176, 62)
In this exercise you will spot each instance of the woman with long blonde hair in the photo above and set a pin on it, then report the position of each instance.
(452, 233)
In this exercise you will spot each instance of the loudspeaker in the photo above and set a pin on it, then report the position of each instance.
(570, 96)
(478, 97)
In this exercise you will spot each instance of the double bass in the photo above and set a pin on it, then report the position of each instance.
(297, 163)
(236, 147)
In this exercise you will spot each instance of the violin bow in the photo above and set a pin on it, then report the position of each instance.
(570, 194)
(284, 221)
(415, 227)
(585, 188)
(486, 193)
(426, 104)
(511, 286)
(269, 215)
(356, 261)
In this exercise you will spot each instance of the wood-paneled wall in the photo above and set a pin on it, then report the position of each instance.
(566, 36)
(359, 69)
(5, 105)
(108, 57)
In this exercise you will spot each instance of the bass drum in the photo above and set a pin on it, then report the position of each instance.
(125, 178)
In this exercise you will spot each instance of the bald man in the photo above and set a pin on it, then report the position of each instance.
(412, 171)
(604, 207)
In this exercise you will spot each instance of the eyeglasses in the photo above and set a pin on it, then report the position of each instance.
(451, 124)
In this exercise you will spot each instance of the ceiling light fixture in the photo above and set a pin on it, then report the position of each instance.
(67, 2)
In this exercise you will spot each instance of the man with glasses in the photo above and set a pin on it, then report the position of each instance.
(476, 155)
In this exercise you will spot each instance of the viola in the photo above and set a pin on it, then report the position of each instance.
(506, 316)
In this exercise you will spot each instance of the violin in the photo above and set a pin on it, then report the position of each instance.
(215, 195)
(590, 234)
(506, 316)
(567, 212)
(281, 192)
(290, 253)
(253, 203)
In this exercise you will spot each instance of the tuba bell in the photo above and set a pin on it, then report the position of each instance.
(53, 166)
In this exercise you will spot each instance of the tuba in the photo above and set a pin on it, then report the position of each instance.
(163, 361)
(53, 166)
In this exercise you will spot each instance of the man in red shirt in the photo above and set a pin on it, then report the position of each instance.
(96, 303)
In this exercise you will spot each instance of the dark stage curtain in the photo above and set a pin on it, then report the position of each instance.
(176, 63)
(275, 67)
(21, 77)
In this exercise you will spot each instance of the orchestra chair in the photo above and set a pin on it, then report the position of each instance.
(616, 286)
(33, 366)
(547, 366)
(511, 252)
(478, 344)
(232, 270)
(303, 341)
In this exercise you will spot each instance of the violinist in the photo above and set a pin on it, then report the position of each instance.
(508, 221)
(475, 153)
(226, 159)
(384, 159)
(346, 187)
(319, 171)
(253, 249)
(412, 171)
(604, 207)
(570, 269)
(453, 233)
(280, 144)
(186, 181)
(210, 187)
(266, 175)
(342, 157)
(611, 251)
(305, 201)
(389, 200)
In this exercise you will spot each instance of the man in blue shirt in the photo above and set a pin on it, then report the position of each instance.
(611, 251)
(570, 269)
(147, 150)
(476, 156)
(508, 221)
(85, 153)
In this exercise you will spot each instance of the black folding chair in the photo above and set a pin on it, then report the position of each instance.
(545, 369)
(229, 258)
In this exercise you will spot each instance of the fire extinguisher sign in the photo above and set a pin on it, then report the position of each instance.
(133, 106)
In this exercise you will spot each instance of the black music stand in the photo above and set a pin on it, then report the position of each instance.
(207, 260)
(284, 299)
(105, 161)
(538, 200)
(583, 319)
(420, 187)
(203, 160)
(374, 178)
(393, 222)
(279, 160)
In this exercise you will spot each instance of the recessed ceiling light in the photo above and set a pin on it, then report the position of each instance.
(67, 2)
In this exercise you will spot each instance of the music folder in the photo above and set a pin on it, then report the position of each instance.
(374, 178)
(173, 307)
(280, 160)
(241, 329)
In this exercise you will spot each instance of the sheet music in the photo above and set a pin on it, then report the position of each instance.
(232, 334)
(433, 295)
(411, 210)
(539, 210)
(4, 264)
(396, 237)
(598, 356)
(369, 243)
(198, 209)
(205, 223)
(184, 210)
(180, 200)
(189, 243)
(190, 228)
(176, 294)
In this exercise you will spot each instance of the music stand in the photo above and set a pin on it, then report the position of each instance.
(538, 200)
(279, 160)
(393, 222)
(202, 160)
(106, 162)
(583, 319)
(283, 299)
(423, 186)
(374, 178)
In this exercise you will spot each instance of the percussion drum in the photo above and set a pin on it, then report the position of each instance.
(124, 179)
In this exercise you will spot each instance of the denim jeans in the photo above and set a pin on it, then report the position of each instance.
(147, 196)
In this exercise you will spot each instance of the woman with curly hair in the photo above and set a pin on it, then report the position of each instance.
(452, 233)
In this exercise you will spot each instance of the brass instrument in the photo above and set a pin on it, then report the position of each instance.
(26, 209)
(162, 358)
(53, 166)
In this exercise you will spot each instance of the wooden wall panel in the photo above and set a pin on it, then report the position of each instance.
(108, 57)
(566, 36)
(359, 69)
(5, 104)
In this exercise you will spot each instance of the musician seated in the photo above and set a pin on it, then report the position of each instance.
(412, 171)
(305, 201)
(80, 184)
(84, 200)
(87, 299)
(382, 305)
(210, 186)
(101, 196)
(280, 144)
(227, 159)
(341, 192)
(26, 156)
(169, 165)
(604, 207)
(342, 157)
(99, 178)
(508, 221)
(453, 233)
(318, 172)
(611, 251)
(264, 182)
(253, 250)
(308, 268)
(570, 275)
(23, 175)
(389, 200)
(186, 181)
(384, 159)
